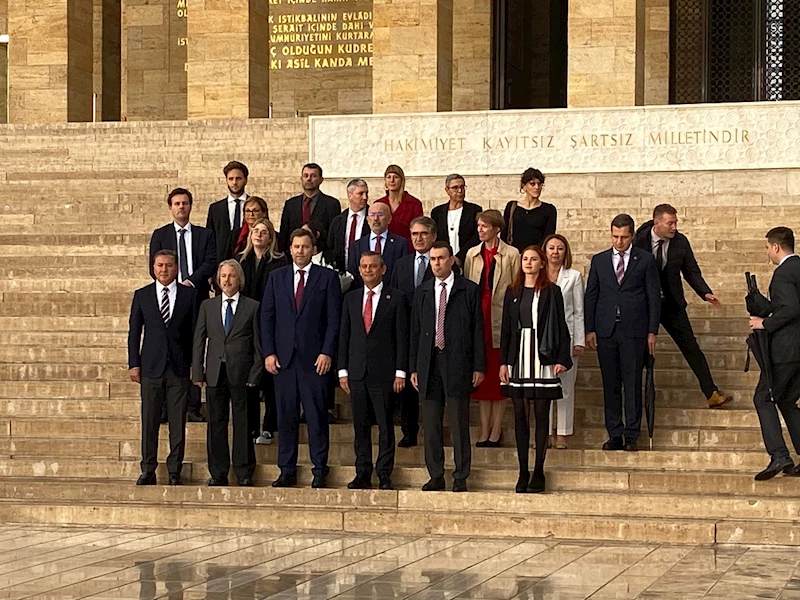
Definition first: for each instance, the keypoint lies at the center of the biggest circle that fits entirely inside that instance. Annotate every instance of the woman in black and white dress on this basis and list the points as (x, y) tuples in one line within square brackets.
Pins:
[(534, 350)]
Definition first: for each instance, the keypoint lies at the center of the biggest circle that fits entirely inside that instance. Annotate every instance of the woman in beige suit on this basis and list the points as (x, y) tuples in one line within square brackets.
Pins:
[(492, 264)]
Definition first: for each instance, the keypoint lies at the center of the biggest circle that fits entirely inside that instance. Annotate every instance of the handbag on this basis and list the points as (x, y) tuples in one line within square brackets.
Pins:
[(551, 334)]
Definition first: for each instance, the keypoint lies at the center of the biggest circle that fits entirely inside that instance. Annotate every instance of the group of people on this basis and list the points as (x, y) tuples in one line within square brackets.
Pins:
[(400, 310)]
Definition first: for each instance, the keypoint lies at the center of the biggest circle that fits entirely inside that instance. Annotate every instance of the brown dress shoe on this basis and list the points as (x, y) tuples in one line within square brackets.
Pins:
[(718, 399)]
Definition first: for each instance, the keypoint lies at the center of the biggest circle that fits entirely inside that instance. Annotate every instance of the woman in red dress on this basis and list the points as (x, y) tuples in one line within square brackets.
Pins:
[(492, 264), (405, 208)]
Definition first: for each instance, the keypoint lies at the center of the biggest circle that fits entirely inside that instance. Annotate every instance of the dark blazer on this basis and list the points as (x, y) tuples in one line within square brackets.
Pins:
[(680, 259), (638, 298), (241, 347), (467, 227), (325, 211), (334, 253), (309, 332), (204, 254), (463, 334), (394, 249), (403, 275), (378, 354), (255, 277), (162, 345), (784, 322), (509, 331), (219, 222)]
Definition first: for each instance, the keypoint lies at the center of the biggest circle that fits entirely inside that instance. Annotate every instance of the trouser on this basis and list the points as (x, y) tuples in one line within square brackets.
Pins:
[(565, 407), (677, 325), (222, 401), (786, 391), (377, 396), (254, 421), (433, 405), (171, 391), (408, 401), (522, 431), (621, 361)]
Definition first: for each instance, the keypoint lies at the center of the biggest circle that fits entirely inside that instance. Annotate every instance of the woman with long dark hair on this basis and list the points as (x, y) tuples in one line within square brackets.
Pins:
[(534, 351)]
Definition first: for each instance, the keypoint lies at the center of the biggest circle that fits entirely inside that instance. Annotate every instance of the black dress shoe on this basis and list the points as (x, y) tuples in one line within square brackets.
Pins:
[(407, 442), (147, 479), (319, 482), (218, 482), (246, 482), (164, 418), (460, 485), (615, 443), (536, 485), (774, 467), (194, 416), (434, 485), (360, 483), (285, 481), (385, 483), (630, 446), (522, 483), (175, 480), (793, 472)]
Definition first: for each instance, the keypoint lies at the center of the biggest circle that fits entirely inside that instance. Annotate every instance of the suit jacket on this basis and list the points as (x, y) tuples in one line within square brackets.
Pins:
[(403, 275), (337, 239), (377, 355), (394, 248), (467, 227), (204, 254), (783, 324), (219, 221), (255, 277), (637, 298), (325, 211), (309, 332), (463, 334), (241, 347), (571, 283), (680, 259), (162, 345)]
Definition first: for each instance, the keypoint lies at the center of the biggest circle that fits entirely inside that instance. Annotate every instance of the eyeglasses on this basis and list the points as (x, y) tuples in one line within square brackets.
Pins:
[(375, 215), (252, 211), (457, 188)]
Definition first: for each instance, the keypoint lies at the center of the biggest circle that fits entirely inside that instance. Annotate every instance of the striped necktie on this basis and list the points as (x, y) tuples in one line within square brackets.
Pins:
[(165, 306)]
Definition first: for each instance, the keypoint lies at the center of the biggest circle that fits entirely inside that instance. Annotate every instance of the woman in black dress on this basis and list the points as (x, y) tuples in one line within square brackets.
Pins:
[(534, 350), (529, 221)]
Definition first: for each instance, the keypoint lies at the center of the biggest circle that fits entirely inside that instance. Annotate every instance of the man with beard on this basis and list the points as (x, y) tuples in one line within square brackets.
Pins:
[(311, 204), (226, 216)]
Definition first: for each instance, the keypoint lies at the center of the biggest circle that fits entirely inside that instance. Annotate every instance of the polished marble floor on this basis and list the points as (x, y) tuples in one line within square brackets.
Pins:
[(57, 563)]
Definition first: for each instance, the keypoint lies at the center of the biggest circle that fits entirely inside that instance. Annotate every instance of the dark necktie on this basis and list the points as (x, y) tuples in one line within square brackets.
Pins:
[(378, 249), (306, 209), (301, 287), (183, 261), (440, 317), (368, 311), (237, 216), (620, 267), (228, 316), (420, 271), (660, 254), (352, 237), (165, 306)]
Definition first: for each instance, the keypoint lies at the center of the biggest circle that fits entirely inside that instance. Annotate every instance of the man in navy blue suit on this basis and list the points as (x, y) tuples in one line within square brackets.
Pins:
[(299, 330), (623, 308), (160, 364), (380, 240)]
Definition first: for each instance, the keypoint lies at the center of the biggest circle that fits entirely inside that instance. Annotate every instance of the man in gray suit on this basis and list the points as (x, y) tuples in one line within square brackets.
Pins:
[(231, 363)]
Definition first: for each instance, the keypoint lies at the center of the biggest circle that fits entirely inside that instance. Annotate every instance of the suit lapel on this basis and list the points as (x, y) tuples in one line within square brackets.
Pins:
[(218, 319), (383, 303), (155, 304), (633, 262), (171, 242), (195, 247)]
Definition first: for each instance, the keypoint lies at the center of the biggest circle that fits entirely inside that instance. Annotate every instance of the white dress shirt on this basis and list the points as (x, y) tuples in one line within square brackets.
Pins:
[(374, 236), (172, 293), (615, 258), (654, 239), (187, 238), (234, 304), (232, 209), (307, 269), (437, 289), (453, 222), (360, 218)]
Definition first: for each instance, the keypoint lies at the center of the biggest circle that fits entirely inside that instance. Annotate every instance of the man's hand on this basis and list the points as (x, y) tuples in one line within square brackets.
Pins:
[(651, 343), (271, 364), (577, 351), (415, 381), (477, 378), (504, 375), (187, 283), (202, 384), (135, 374), (323, 364), (591, 341), (344, 383), (399, 384), (713, 300), (756, 323), (558, 369)]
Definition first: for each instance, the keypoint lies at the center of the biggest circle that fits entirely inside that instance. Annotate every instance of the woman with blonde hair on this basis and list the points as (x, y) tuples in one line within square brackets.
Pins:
[(405, 207)]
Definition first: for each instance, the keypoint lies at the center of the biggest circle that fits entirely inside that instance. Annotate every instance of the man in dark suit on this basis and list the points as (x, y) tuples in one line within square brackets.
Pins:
[(230, 364), (350, 225), (160, 363), (300, 315), (311, 204), (380, 240), (674, 257), (623, 304), (447, 360), (197, 262), (373, 356), (409, 273), (783, 326), (226, 216), (456, 221)]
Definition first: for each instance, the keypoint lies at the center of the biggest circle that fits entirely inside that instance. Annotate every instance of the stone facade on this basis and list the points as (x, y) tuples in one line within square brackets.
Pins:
[(472, 43), (656, 52)]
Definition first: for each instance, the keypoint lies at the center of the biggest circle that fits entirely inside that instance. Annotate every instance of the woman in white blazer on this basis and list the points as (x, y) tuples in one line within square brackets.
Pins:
[(560, 272)]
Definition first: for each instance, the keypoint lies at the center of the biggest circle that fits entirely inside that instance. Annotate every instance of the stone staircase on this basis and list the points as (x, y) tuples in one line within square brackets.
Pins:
[(77, 205)]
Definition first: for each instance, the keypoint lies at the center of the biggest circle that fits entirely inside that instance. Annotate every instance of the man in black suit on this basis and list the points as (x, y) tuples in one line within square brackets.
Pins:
[(456, 221), (623, 304), (674, 257), (783, 326), (409, 272), (226, 216), (373, 356), (165, 311), (311, 204), (447, 360), (348, 226), (229, 364), (380, 240)]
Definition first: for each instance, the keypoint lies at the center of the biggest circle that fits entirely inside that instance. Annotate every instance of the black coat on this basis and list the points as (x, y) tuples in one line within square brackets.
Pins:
[(395, 247), (255, 278), (204, 254), (403, 275), (467, 227), (680, 259), (337, 238), (463, 333), (374, 356), (325, 211), (509, 332), (219, 221), (784, 322)]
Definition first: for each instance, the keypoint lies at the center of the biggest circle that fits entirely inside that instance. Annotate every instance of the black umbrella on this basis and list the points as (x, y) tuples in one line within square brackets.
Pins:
[(758, 341), (650, 395)]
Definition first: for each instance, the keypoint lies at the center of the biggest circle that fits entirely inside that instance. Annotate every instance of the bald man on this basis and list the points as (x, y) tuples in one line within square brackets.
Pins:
[(380, 240)]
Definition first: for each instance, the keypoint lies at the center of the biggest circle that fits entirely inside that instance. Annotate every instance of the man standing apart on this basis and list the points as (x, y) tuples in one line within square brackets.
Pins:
[(623, 304), (311, 204), (226, 216)]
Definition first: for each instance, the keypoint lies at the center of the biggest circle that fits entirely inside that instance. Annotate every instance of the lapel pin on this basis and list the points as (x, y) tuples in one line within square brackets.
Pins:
[(388, 296)]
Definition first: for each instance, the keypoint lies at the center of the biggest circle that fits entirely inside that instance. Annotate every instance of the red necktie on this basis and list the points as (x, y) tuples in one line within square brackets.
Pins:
[(306, 209), (378, 245), (352, 237), (368, 311), (301, 286)]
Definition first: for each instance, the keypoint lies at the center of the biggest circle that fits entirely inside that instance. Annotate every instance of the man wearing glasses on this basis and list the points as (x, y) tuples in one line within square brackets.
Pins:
[(456, 220), (380, 240)]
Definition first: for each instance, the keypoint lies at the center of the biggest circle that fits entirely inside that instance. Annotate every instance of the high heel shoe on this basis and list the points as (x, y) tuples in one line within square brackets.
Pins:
[(522, 483), (483, 444), (561, 442), (491, 444)]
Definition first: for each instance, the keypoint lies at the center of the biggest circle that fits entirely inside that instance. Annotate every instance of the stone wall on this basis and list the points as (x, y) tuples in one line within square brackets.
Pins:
[(472, 45), (656, 53)]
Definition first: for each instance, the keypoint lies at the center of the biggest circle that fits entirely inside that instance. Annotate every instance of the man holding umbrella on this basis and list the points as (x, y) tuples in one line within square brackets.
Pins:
[(783, 327)]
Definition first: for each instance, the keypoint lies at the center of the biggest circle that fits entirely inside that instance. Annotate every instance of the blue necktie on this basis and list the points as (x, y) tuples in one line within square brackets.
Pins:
[(228, 316)]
